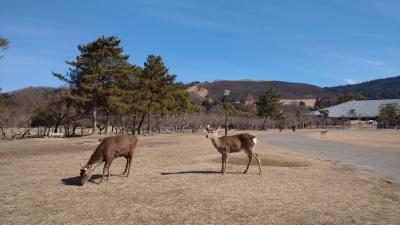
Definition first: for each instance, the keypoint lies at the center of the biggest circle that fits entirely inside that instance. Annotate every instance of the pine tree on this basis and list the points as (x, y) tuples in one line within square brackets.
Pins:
[(96, 76), (389, 115), (350, 96), (324, 115), (269, 106), (156, 87), (180, 107)]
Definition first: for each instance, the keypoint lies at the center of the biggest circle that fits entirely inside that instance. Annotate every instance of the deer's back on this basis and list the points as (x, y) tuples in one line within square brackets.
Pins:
[(238, 142), (117, 145)]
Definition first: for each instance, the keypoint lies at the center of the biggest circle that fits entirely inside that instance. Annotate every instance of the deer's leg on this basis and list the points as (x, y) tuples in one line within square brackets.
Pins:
[(108, 170), (129, 165), (222, 163), (258, 160), (104, 172), (126, 166), (108, 173), (248, 164), (224, 159)]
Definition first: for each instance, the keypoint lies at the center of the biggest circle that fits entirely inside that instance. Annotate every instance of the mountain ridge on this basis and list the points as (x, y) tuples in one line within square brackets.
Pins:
[(384, 88)]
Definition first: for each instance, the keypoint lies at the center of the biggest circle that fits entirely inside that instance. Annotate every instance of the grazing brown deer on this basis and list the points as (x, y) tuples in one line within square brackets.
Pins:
[(234, 143), (109, 149)]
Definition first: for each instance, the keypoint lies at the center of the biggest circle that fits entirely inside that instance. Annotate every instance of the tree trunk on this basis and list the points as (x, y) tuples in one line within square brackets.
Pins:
[(73, 130), (56, 128), (67, 123), (27, 131), (134, 124), (94, 123), (226, 118), (3, 134), (265, 123), (141, 123), (148, 120), (107, 122)]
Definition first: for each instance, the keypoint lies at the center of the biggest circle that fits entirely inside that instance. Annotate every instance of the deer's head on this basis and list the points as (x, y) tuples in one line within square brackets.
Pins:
[(86, 173), (212, 133)]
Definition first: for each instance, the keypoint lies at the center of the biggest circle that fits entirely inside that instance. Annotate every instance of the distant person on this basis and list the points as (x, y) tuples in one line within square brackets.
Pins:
[(294, 128)]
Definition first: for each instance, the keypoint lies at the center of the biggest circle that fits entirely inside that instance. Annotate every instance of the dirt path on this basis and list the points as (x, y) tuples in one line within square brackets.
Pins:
[(176, 181), (380, 161)]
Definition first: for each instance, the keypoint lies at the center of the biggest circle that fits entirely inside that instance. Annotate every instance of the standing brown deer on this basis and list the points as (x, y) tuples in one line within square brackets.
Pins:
[(324, 132), (234, 143), (109, 149)]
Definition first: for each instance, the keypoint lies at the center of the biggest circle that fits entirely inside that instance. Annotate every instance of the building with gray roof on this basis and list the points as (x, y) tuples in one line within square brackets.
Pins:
[(367, 109)]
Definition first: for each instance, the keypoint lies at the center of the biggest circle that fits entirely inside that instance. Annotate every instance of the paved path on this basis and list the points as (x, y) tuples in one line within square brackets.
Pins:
[(384, 162)]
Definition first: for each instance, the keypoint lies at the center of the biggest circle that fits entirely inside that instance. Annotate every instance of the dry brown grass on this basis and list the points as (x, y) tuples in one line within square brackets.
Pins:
[(174, 183), (388, 139)]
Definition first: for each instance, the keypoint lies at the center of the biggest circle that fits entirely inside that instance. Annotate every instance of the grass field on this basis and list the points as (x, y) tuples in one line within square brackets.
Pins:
[(175, 180), (387, 139)]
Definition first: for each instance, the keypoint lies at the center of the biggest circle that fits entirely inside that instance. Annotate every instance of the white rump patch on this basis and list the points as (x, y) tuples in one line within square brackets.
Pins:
[(255, 140)]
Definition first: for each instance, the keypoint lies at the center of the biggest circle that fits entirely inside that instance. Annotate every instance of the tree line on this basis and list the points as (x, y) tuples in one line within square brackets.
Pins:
[(103, 84), (104, 91)]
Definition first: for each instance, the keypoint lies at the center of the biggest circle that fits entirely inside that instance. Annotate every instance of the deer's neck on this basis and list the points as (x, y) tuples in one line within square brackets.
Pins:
[(97, 157), (216, 142)]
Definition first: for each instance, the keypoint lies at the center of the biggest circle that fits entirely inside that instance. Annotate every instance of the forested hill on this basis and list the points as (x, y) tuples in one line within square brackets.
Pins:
[(240, 89), (376, 89)]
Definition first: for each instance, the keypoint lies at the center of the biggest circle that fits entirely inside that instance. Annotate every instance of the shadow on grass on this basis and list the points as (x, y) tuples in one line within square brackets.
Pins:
[(264, 162), (76, 181), (191, 172)]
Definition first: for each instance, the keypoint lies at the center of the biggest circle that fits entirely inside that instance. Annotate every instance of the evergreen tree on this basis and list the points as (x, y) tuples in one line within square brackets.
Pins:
[(269, 106), (96, 76), (208, 103), (181, 103), (324, 115), (389, 115), (156, 86), (350, 96), (131, 104), (181, 107)]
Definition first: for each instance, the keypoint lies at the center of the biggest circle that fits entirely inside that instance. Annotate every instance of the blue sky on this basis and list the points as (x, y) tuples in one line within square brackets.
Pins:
[(325, 43)]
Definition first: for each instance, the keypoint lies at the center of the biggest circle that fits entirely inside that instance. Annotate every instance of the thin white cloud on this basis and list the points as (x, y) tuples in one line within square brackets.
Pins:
[(196, 15), (371, 62), (349, 81), (354, 59), (367, 35)]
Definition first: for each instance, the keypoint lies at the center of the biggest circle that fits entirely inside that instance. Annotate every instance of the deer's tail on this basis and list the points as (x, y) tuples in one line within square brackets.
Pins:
[(248, 140), (254, 140)]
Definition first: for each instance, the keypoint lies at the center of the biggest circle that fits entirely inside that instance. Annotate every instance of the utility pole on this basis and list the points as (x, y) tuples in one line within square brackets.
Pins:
[(226, 94)]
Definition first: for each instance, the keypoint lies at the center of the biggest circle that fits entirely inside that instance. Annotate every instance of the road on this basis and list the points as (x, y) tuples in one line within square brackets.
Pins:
[(383, 162)]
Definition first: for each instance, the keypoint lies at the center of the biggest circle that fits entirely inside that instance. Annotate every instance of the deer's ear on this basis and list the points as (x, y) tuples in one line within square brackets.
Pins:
[(82, 166)]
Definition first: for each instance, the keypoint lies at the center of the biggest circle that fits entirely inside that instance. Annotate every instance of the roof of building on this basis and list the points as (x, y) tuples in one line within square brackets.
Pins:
[(362, 108)]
